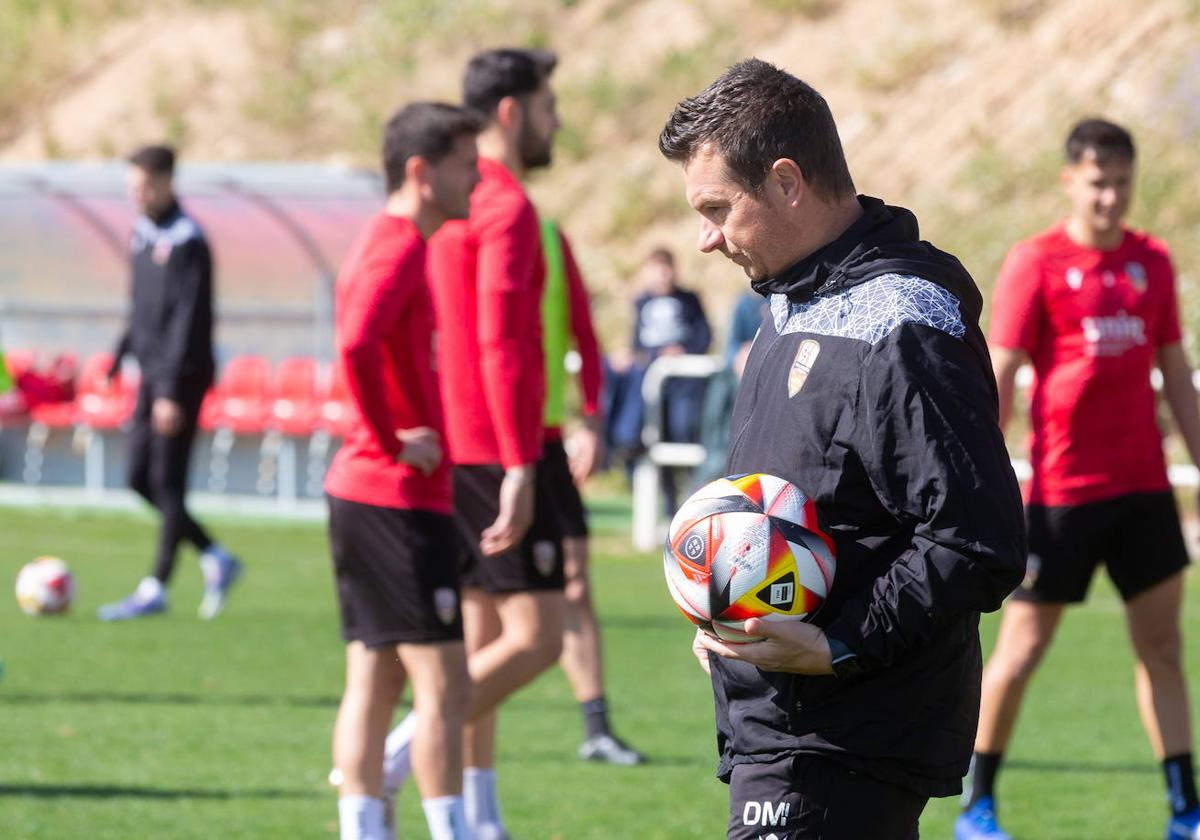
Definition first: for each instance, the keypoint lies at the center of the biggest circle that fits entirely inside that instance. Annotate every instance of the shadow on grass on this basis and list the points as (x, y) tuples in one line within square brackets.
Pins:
[(167, 699), (1081, 767), (60, 791)]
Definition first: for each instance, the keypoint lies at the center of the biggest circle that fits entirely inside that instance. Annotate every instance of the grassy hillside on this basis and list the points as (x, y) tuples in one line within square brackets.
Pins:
[(955, 108)]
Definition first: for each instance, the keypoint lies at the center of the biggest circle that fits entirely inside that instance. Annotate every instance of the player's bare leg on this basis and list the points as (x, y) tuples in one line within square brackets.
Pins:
[(582, 658), (374, 681), (519, 637), (1026, 631), (481, 627), (441, 689), (530, 641), (1153, 619)]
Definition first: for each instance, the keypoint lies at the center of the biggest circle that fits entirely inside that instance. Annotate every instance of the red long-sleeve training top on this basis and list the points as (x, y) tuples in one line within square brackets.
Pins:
[(487, 274), (385, 337)]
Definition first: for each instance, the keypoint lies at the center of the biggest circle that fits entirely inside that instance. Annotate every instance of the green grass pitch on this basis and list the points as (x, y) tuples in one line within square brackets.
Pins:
[(173, 728)]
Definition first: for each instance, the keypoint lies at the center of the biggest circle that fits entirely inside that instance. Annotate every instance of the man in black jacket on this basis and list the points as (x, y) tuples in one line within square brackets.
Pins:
[(170, 334), (868, 387)]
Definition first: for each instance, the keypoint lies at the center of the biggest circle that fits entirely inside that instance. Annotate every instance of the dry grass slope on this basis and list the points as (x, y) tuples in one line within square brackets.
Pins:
[(955, 109)]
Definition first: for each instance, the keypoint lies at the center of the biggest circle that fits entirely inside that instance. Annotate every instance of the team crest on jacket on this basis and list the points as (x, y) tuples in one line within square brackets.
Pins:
[(802, 365), (161, 252), (544, 556), (445, 603)]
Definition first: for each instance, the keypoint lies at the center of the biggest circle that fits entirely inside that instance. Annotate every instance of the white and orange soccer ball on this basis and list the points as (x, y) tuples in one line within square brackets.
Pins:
[(747, 546), (45, 586)]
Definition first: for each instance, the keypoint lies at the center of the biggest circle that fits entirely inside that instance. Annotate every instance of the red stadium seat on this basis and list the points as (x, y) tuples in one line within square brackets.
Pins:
[(295, 408), (20, 361), (104, 404), (240, 404), (334, 419), (337, 410), (241, 401), (52, 406)]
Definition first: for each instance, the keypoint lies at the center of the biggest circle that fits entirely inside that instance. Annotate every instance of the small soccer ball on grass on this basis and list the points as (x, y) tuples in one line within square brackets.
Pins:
[(45, 586), (744, 547)]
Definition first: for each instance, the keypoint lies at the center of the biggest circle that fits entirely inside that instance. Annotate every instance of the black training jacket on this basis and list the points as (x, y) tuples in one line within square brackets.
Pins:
[(170, 317), (869, 386)]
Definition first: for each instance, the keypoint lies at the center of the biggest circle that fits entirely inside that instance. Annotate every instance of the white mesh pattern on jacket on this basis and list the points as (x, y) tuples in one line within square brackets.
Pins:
[(869, 312)]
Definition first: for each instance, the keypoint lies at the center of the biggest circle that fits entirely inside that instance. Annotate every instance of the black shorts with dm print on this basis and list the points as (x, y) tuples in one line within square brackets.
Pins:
[(536, 564), (396, 574), (555, 470), (1137, 537), (808, 797)]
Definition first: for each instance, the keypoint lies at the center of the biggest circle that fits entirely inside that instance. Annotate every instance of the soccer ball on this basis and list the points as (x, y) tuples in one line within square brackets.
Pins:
[(743, 547), (45, 586)]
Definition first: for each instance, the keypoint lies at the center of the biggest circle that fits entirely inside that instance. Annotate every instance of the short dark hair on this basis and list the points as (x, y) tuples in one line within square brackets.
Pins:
[(427, 129), (1106, 139), (662, 255), (495, 74), (754, 114), (155, 159)]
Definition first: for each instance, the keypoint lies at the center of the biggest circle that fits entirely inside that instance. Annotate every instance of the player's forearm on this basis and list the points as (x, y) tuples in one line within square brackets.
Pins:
[(1181, 397), (1006, 363)]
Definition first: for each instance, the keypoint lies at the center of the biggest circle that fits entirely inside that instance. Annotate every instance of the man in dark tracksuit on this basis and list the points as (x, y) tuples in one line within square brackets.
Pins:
[(170, 335), (869, 387)]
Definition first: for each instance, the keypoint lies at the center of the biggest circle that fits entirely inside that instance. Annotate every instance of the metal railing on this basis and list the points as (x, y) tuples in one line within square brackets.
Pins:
[(660, 454), (649, 524)]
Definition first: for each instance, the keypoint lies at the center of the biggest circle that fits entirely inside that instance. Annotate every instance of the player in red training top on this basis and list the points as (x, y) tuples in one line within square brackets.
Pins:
[(567, 320), (389, 487), (487, 276), (1091, 304)]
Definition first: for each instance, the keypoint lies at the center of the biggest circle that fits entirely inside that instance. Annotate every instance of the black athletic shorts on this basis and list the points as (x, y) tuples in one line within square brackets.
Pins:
[(1137, 537), (396, 574), (555, 471), (536, 564), (808, 797)]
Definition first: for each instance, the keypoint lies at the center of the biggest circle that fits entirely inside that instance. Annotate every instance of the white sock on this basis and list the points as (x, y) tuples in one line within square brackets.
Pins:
[(149, 589), (446, 818), (397, 753), (361, 818), (479, 797)]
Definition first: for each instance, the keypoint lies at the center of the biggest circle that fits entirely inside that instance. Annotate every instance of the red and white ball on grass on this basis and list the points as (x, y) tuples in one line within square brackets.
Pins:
[(45, 586), (745, 547)]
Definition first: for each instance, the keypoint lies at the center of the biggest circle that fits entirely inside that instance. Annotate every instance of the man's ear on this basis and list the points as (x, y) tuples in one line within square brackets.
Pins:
[(416, 170), (786, 179), (508, 112)]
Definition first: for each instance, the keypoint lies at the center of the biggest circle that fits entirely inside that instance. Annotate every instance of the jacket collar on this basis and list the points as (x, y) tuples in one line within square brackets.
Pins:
[(828, 266)]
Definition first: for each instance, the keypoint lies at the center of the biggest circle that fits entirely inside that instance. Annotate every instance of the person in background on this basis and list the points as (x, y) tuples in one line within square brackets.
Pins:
[(391, 527), (170, 333), (719, 396), (1092, 305), (567, 320), (668, 320), (487, 275)]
